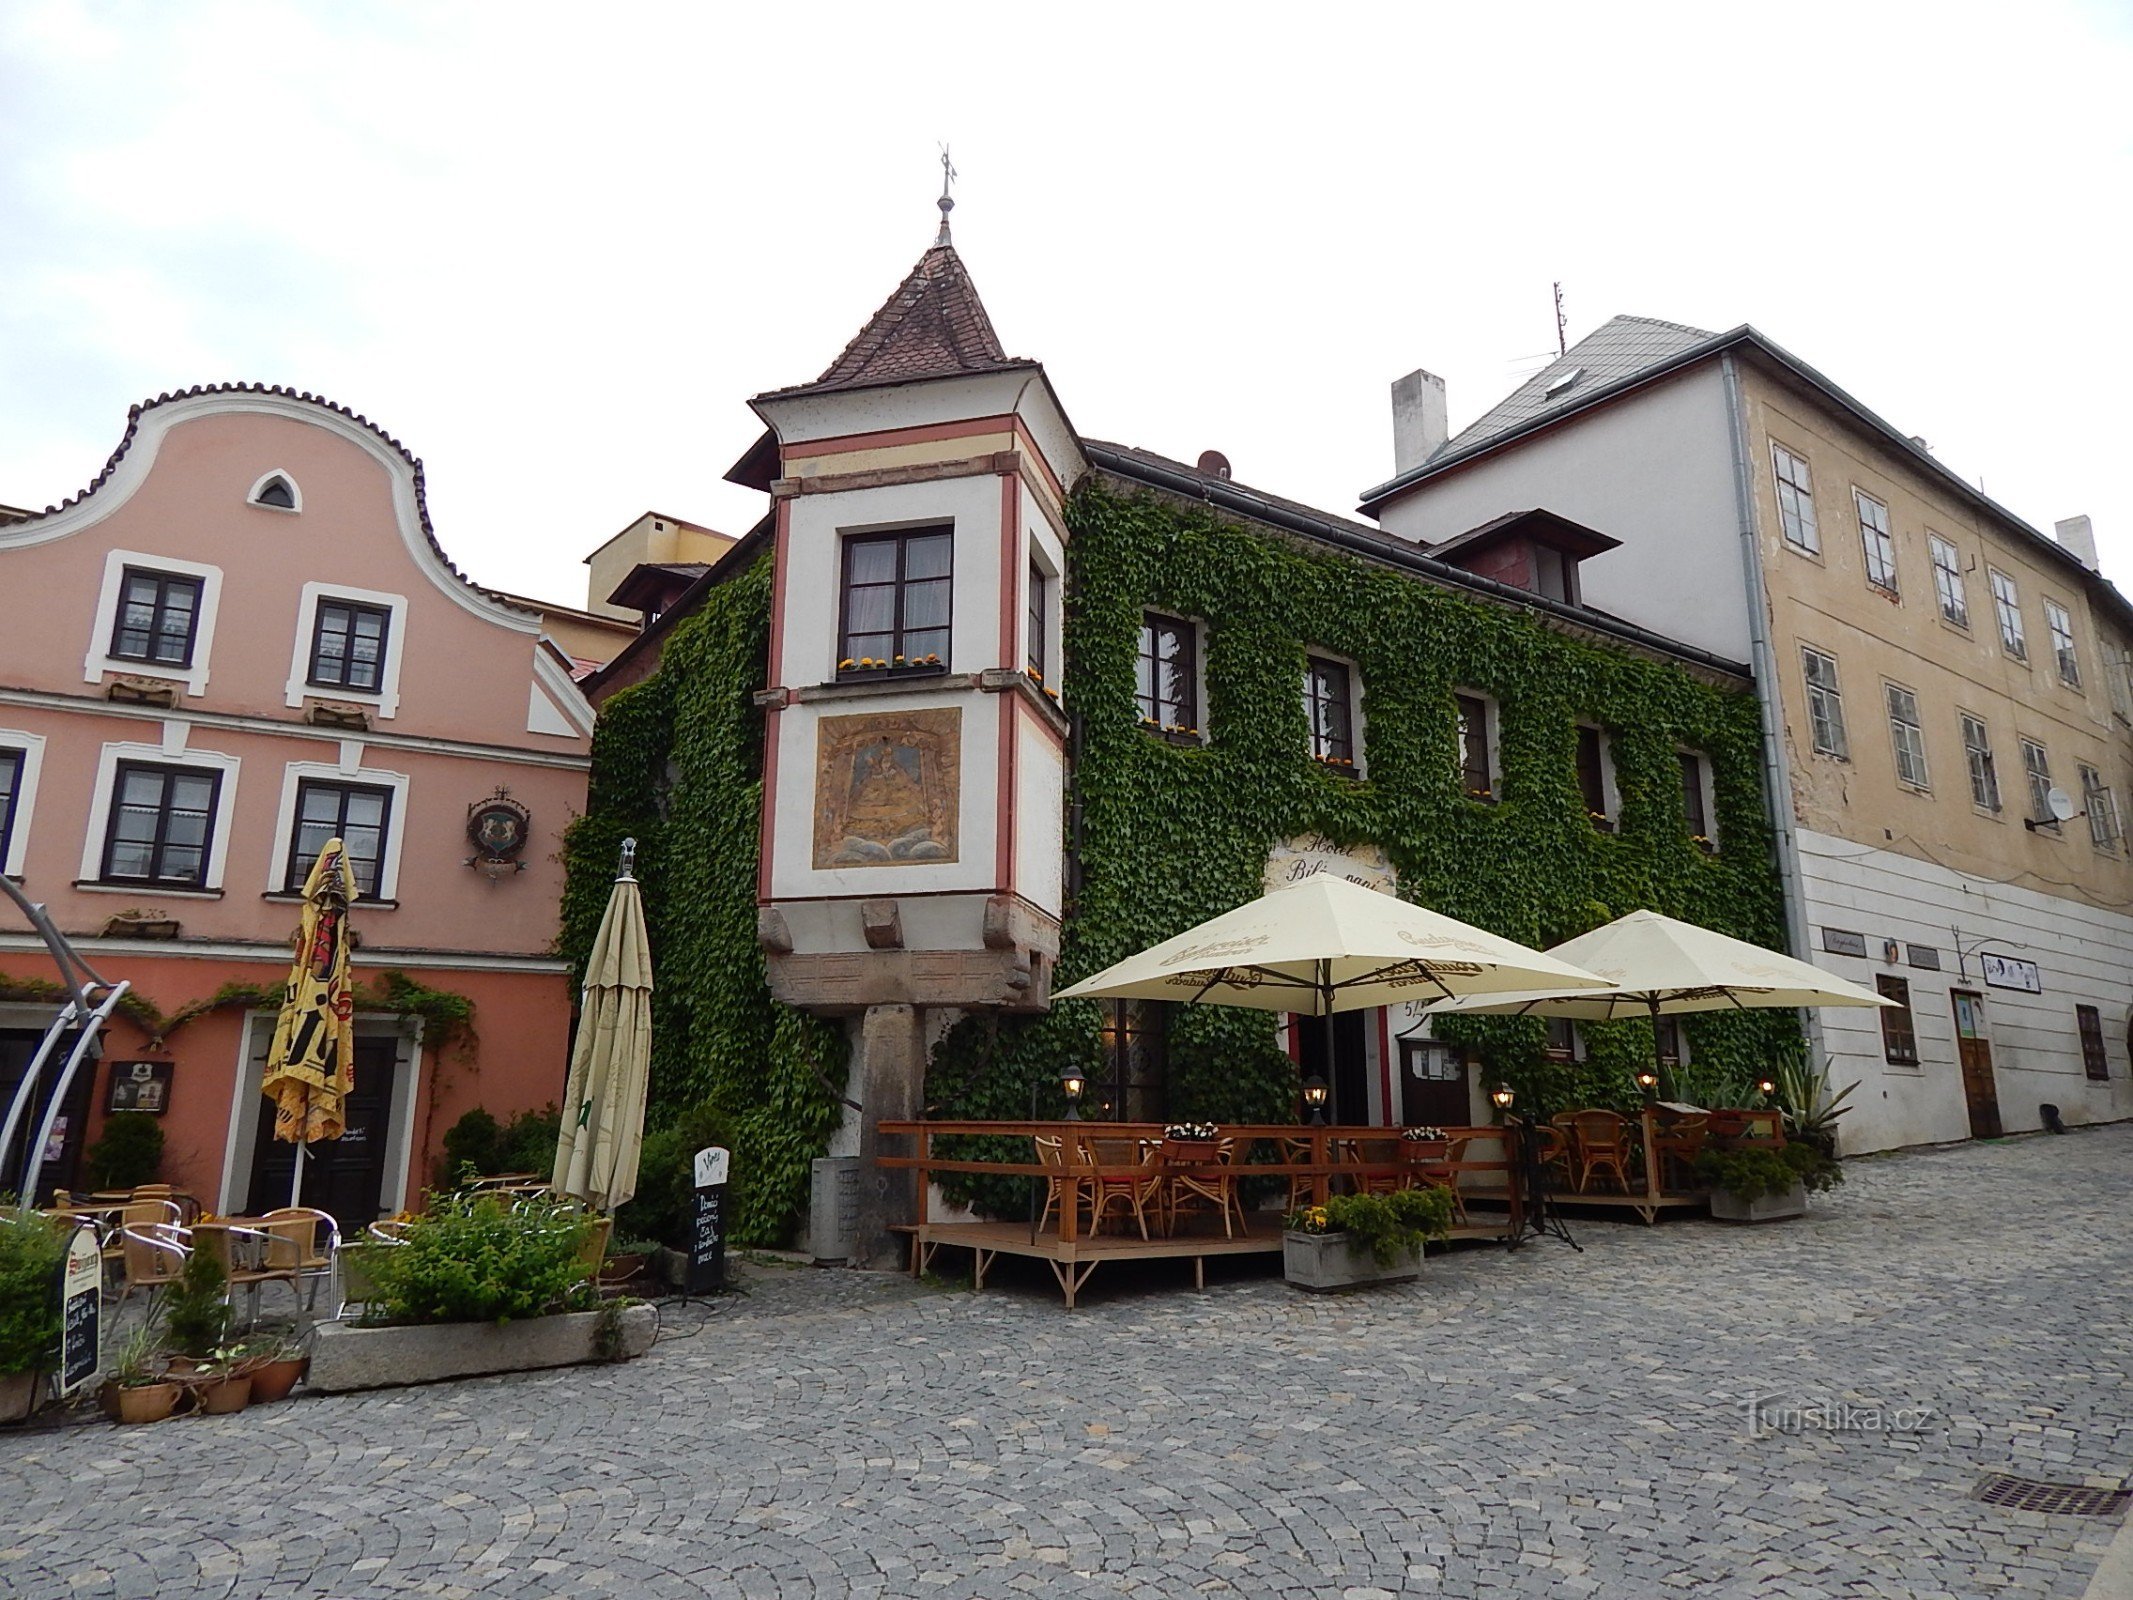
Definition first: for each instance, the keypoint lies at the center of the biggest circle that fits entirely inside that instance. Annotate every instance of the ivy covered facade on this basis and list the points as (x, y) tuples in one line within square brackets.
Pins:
[(1187, 680)]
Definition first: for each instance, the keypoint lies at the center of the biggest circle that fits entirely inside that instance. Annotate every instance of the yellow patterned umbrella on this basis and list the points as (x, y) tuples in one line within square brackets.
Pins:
[(311, 1065)]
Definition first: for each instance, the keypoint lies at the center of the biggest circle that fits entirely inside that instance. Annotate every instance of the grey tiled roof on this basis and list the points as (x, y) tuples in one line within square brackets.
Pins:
[(1615, 350)]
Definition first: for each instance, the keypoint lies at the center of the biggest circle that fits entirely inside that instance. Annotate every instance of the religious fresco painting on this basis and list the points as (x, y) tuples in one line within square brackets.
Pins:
[(886, 788)]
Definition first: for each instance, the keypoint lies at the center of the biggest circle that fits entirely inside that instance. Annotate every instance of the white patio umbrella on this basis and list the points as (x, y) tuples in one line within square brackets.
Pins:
[(611, 1063), (1657, 966), (1324, 945)]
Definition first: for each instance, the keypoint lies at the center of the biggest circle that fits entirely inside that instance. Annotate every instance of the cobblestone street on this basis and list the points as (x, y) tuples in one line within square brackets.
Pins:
[(1544, 1423)]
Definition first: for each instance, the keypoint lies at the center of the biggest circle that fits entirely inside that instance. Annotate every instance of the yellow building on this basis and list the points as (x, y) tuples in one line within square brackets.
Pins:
[(1946, 696)]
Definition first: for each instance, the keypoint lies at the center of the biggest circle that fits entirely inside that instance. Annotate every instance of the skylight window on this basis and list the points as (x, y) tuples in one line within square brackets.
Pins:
[(1562, 382)]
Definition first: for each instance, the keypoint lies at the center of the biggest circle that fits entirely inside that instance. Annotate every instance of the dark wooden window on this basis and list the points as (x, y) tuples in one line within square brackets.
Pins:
[(1328, 711), (897, 590), (1667, 1036), (1693, 800), (1037, 612), (1592, 777), (1562, 1039), (1899, 1038), (11, 765), (162, 819), (1477, 772), (158, 618), (2090, 1021), (276, 492), (357, 814), (1129, 1087), (1169, 685), (348, 644)]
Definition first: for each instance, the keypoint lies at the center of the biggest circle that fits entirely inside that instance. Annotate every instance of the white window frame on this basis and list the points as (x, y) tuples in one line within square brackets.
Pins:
[(386, 697), (2007, 612), (1797, 516), (1948, 586), (2037, 775), (1491, 728), (1834, 690), (296, 492), (1610, 791), (172, 752), (2102, 806), (100, 660), (1985, 772), (1355, 706), (1907, 735), (1878, 540), (1707, 787), (2066, 654), (31, 748), (346, 771)]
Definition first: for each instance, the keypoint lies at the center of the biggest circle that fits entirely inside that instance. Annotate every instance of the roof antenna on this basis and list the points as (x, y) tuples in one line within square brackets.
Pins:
[(946, 201), (1562, 327)]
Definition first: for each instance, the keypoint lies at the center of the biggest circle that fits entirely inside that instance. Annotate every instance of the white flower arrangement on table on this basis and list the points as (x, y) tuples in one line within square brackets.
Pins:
[(1197, 1132), (1424, 1135)]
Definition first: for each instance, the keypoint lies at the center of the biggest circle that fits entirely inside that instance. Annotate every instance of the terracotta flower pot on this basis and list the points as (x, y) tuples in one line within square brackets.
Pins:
[(272, 1380), (620, 1269), (221, 1396), (147, 1402)]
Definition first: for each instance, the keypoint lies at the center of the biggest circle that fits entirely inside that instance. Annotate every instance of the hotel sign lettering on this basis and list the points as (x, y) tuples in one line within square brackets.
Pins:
[(2011, 972), (1307, 855)]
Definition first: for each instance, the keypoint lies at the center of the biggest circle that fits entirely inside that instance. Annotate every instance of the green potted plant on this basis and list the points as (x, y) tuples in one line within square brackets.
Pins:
[(222, 1384), (196, 1309), (625, 1258), (1356, 1239), (32, 1255), (146, 1392), (128, 1152), (1765, 1182)]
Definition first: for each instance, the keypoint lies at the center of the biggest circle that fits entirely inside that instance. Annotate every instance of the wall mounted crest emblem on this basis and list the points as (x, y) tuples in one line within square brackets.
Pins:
[(499, 829)]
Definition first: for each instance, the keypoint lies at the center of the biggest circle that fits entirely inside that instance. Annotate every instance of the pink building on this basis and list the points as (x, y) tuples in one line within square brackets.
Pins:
[(241, 639)]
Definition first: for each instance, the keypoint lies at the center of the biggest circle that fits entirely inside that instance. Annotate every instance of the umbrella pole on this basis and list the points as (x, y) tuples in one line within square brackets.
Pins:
[(296, 1183)]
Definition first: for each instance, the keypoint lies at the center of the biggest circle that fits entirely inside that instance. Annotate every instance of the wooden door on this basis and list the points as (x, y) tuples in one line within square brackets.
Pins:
[(1335, 1048), (344, 1176), (1975, 1052), (62, 1165), (1432, 1085)]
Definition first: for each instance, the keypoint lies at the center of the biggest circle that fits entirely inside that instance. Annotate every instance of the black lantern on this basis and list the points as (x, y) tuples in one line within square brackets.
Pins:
[(1648, 1081), (1071, 1083), (1314, 1093), (1501, 1097), (1768, 1086)]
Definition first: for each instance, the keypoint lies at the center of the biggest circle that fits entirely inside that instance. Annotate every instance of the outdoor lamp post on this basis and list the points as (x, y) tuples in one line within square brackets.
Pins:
[(1314, 1092), (1767, 1086), (1501, 1097), (1648, 1081), (1071, 1083)]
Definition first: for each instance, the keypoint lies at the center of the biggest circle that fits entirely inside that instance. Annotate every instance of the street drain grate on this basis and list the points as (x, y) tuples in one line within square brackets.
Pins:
[(2053, 1499)]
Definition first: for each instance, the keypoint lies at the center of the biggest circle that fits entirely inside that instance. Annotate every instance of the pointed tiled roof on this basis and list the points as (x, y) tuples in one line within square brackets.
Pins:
[(933, 326)]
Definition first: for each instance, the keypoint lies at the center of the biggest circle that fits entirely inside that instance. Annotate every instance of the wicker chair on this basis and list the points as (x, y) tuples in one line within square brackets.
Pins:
[(1131, 1192), (1303, 1186), (155, 1249), (1195, 1187), (1377, 1153), (1601, 1140), (308, 1241), (1051, 1152)]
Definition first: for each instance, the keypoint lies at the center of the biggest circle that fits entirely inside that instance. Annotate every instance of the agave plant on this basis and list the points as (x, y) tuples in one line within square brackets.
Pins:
[(1811, 1107)]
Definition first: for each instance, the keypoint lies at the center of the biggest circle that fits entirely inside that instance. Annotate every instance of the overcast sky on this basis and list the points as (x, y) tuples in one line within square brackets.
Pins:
[(555, 248)]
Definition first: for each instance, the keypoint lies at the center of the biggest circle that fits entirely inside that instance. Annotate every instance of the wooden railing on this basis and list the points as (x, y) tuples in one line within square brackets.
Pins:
[(1076, 1170)]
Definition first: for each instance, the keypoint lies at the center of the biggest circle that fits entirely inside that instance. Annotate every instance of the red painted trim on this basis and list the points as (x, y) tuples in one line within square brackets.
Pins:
[(1004, 801), (1012, 567), (770, 717), (894, 436), (1385, 1073), (1044, 467)]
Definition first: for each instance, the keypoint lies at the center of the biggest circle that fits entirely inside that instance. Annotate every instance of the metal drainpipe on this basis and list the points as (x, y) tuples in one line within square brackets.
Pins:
[(1777, 777)]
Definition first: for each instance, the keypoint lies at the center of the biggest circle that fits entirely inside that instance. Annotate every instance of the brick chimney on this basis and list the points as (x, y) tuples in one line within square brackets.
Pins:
[(2077, 535), (1420, 422)]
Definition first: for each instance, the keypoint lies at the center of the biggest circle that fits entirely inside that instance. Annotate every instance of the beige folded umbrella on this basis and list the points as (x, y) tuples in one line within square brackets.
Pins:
[(1654, 966), (1325, 945), (611, 1063)]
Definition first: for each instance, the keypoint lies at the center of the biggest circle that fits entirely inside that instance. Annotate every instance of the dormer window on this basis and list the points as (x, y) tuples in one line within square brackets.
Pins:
[(1536, 551), (277, 492)]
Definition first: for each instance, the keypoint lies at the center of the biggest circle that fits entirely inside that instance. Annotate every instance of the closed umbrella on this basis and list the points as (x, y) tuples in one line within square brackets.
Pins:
[(1323, 945), (311, 1063), (611, 1063)]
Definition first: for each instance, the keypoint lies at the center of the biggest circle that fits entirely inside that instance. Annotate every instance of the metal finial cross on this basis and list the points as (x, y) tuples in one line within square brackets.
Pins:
[(946, 201)]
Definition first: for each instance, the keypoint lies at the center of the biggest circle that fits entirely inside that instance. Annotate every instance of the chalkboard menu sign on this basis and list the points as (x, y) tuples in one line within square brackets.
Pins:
[(707, 1233), (79, 1298)]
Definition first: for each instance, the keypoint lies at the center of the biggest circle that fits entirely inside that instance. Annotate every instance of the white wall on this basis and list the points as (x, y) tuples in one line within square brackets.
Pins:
[(2081, 952), (1655, 471)]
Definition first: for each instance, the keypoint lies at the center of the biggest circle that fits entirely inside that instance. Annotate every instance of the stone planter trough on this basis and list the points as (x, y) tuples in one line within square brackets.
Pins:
[(1325, 1261), (1729, 1207), (347, 1357)]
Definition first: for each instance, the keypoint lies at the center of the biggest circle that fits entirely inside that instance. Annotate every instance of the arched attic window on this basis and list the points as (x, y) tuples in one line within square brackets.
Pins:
[(278, 492)]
